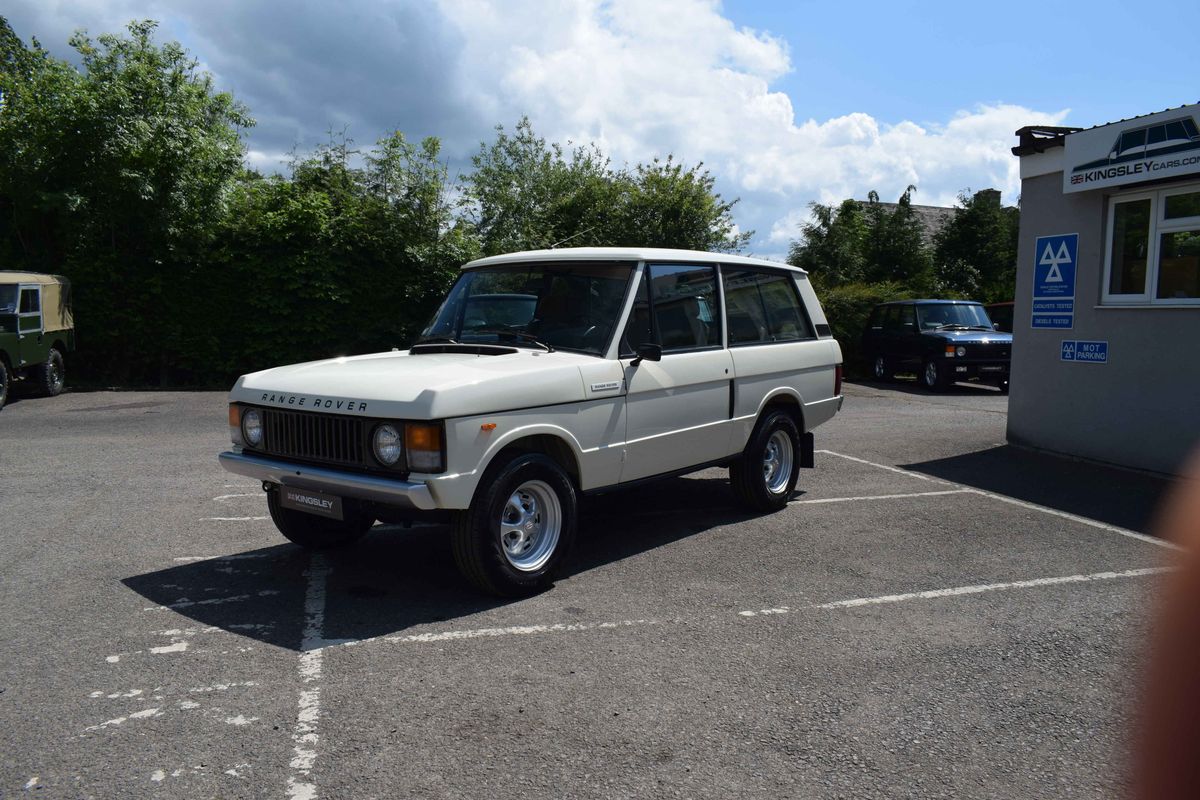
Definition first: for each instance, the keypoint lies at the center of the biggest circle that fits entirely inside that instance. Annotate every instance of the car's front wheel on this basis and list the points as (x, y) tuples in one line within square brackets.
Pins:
[(3, 384), (516, 535), (318, 533), (765, 475), (934, 376)]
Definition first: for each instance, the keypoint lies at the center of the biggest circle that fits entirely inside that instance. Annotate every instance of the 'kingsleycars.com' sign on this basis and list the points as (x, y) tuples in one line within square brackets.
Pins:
[(1155, 146)]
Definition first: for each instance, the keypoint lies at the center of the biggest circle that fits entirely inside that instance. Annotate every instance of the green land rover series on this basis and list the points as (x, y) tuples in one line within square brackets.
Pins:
[(36, 331)]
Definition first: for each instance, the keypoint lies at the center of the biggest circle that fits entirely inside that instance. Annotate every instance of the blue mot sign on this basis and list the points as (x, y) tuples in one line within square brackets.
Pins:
[(1087, 352), (1055, 258)]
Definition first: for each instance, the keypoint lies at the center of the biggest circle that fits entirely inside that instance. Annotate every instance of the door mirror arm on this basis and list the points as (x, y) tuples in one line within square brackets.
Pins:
[(647, 351)]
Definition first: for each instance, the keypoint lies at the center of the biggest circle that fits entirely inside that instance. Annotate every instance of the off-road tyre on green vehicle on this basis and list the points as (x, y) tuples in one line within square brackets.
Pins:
[(765, 474), (4, 383), (519, 530), (318, 533), (50, 376)]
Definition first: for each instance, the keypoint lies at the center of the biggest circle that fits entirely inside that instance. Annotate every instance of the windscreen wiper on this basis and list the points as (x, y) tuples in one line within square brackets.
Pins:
[(527, 337)]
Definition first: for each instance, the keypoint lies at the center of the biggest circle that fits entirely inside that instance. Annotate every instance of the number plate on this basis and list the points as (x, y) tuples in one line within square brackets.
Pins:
[(318, 503)]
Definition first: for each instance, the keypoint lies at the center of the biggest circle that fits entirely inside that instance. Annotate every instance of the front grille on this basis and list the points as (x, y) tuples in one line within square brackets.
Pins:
[(314, 437), (990, 350)]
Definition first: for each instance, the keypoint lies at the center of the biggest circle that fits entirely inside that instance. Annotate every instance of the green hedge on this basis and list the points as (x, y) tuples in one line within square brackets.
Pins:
[(847, 308)]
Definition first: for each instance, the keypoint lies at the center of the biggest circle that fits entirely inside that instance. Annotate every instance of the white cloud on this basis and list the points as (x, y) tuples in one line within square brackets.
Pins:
[(640, 79), (647, 79)]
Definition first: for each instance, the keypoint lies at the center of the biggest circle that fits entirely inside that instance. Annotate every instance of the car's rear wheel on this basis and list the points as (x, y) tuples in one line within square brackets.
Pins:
[(318, 533), (3, 384), (516, 535), (764, 476), (934, 376), (882, 369)]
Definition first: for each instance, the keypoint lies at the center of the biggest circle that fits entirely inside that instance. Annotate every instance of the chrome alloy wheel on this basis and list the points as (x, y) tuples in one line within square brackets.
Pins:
[(530, 526), (931, 373), (777, 462), (879, 367)]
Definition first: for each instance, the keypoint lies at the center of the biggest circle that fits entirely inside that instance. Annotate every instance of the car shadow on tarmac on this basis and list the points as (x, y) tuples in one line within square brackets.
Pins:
[(1114, 496), (397, 578)]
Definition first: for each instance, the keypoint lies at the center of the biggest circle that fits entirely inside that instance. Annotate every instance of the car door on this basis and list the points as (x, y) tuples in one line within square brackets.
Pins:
[(677, 409), (29, 325), (905, 338)]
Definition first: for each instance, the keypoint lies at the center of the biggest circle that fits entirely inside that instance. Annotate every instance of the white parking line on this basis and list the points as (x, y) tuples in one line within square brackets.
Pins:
[(993, 587), (905, 472), (515, 630), (232, 519), (305, 737), (880, 497), (1021, 503), (957, 591)]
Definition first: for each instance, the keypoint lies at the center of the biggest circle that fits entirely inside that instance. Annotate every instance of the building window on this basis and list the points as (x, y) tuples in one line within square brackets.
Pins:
[(1153, 253)]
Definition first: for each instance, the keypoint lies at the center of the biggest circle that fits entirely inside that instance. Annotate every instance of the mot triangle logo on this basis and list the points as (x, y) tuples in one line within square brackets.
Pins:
[(1068, 351), (1053, 260)]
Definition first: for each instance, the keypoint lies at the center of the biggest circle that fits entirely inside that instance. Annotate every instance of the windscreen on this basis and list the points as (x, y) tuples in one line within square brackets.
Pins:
[(562, 306), (952, 315)]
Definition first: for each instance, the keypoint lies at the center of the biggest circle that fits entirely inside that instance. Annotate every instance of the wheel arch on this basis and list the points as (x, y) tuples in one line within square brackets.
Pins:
[(787, 400), (556, 444)]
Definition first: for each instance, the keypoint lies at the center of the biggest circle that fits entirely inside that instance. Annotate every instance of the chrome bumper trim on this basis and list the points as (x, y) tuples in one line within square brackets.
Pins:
[(346, 484)]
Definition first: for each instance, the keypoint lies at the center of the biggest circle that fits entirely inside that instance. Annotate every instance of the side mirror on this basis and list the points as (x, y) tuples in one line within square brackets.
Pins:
[(647, 351), (995, 326)]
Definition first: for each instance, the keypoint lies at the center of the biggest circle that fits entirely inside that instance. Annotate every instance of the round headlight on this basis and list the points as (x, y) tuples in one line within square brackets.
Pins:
[(252, 428), (962, 351), (387, 444)]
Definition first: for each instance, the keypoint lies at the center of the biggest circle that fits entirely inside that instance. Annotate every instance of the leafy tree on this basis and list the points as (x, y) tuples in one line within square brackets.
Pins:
[(867, 242), (113, 174), (526, 194), (832, 245), (976, 252)]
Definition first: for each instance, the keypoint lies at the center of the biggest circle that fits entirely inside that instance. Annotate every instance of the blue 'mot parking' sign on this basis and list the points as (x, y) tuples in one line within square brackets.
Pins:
[(1054, 262), (1087, 352)]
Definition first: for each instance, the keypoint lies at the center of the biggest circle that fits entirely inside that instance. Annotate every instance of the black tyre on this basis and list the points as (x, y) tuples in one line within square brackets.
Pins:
[(51, 374), (934, 376), (881, 369), (765, 475), (4, 381), (516, 535), (318, 533)]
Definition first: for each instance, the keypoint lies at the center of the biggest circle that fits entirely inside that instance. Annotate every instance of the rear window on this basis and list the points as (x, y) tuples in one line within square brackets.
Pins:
[(763, 306)]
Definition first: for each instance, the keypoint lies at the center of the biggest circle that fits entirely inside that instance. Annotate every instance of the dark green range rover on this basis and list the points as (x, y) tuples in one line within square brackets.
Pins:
[(36, 330)]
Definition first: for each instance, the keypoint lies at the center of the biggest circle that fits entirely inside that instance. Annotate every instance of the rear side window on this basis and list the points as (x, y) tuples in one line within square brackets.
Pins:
[(763, 306), (29, 301)]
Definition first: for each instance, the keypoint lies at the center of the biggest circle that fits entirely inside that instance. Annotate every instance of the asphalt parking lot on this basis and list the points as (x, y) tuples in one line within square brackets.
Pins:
[(935, 615)]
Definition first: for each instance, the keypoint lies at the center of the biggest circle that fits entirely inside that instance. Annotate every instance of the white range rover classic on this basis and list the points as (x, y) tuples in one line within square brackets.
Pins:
[(543, 376)]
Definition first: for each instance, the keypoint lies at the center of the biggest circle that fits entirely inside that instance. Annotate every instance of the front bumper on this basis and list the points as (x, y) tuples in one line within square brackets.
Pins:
[(984, 370), (400, 494)]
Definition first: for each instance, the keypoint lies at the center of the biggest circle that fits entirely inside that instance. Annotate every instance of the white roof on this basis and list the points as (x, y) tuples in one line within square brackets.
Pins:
[(626, 254)]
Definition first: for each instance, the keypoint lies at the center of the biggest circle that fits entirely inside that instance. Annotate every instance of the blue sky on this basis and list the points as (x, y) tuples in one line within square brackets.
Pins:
[(787, 103), (924, 60)]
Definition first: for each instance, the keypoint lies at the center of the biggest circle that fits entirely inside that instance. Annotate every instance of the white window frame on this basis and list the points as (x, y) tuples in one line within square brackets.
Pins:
[(1158, 226)]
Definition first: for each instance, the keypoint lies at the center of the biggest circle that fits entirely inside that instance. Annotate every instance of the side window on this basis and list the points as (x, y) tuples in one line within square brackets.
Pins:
[(764, 306), (786, 320), (685, 306), (744, 312), (908, 319), (891, 319), (875, 323), (29, 301)]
